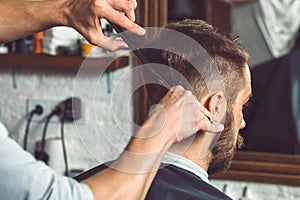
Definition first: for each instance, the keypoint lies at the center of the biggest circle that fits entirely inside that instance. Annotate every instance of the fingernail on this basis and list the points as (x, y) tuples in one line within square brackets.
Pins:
[(141, 31), (219, 126), (124, 45)]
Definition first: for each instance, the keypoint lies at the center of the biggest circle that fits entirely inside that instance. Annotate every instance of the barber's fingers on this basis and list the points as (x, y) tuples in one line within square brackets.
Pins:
[(206, 125), (205, 122), (130, 14), (177, 89), (126, 6), (181, 94), (120, 19), (204, 116), (110, 44), (134, 2), (96, 37), (204, 110)]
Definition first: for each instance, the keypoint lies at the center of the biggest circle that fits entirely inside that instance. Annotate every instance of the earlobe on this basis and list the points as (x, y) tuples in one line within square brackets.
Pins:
[(217, 106)]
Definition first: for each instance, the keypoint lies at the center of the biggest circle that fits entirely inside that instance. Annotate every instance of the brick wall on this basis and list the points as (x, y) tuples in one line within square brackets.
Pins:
[(97, 139)]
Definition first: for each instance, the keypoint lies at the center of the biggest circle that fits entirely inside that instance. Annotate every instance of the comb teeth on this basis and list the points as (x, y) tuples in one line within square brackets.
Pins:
[(145, 55), (132, 40)]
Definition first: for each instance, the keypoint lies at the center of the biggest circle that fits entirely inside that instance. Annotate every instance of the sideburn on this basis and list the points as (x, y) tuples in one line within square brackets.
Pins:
[(223, 152)]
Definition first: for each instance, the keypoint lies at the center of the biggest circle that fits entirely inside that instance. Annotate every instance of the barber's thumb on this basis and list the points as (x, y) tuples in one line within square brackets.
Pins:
[(215, 127)]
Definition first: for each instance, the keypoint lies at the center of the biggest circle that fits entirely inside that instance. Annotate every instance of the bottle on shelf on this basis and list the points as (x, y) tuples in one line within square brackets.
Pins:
[(38, 42), (3, 49)]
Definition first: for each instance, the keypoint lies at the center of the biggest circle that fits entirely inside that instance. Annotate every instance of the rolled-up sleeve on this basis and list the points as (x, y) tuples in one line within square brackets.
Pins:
[(22, 177)]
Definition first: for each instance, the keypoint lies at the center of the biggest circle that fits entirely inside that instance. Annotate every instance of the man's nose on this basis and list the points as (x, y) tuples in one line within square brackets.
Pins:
[(243, 125)]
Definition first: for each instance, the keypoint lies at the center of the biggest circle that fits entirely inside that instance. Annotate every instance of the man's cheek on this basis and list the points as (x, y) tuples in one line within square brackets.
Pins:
[(239, 142)]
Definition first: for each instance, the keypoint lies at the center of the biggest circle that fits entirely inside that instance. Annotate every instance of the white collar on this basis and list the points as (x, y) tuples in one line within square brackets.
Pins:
[(184, 163), (3, 130)]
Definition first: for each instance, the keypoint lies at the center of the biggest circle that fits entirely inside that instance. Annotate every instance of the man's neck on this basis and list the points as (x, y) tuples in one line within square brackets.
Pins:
[(190, 149)]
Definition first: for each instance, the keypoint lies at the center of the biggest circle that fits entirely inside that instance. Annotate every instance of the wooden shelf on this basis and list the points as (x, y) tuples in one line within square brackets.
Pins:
[(264, 167), (64, 62)]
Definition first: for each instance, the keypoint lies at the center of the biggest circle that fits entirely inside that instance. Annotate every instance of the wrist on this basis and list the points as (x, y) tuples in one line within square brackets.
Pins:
[(147, 152), (58, 12), (155, 129), (63, 8), (148, 140)]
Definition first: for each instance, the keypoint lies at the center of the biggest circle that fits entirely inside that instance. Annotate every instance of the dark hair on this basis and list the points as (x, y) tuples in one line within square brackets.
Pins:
[(228, 56)]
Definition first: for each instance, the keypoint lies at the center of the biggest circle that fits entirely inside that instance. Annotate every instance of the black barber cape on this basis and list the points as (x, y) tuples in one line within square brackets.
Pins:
[(173, 183)]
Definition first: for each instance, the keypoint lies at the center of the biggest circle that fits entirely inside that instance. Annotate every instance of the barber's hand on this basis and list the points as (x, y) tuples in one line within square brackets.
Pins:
[(85, 18), (180, 114)]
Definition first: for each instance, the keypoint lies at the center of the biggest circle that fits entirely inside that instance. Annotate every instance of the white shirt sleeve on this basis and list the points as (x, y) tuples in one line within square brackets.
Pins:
[(22, 177)]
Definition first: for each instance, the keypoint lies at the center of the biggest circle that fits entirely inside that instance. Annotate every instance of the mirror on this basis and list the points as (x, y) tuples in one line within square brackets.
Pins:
[(272, 115), (272, 137)]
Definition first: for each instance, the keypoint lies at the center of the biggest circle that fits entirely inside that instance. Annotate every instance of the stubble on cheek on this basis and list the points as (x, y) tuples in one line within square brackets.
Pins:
[(239, 142)]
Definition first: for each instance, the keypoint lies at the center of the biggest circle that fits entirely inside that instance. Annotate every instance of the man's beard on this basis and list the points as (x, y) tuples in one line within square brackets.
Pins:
[(223, 152)]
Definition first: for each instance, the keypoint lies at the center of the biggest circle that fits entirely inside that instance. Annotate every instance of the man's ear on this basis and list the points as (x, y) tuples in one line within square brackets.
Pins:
[(217, 106)]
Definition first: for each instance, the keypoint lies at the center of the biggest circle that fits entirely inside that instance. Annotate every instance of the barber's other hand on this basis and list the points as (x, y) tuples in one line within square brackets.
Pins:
[(84, 16), (180, 115)]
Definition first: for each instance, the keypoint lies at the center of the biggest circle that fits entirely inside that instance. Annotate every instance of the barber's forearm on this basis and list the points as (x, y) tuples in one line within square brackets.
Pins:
[(151, 151), (20, 18), (114, 185)]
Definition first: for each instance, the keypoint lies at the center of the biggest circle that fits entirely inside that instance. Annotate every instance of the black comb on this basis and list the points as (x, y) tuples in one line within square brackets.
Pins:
[(146, 55)]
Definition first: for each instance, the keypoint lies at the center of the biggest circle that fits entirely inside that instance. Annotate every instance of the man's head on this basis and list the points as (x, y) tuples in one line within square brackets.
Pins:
[(224, 101)]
